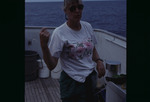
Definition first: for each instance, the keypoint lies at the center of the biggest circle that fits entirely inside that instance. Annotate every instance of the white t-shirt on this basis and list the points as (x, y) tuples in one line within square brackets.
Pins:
[(75, 50)]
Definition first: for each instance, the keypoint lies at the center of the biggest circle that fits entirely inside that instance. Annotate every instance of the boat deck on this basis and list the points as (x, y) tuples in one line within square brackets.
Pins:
[(42, 90)]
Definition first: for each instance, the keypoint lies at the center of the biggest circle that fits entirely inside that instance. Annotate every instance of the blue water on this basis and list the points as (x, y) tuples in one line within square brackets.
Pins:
[(107, 15)]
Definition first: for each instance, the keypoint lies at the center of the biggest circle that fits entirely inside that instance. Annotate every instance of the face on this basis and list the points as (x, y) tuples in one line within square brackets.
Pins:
[(74, 11)]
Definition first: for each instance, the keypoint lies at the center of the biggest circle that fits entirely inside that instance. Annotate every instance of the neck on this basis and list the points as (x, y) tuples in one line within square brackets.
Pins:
[(74, 25)]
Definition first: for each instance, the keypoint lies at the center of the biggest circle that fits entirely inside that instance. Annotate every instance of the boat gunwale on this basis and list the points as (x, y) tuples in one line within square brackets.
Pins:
[(96, 30)]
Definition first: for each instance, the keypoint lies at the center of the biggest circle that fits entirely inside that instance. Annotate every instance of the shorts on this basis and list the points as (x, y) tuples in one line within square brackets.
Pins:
[(74, 91)]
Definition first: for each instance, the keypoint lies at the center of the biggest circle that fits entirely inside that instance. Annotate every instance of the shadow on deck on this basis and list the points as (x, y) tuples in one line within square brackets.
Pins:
[(42, 90)]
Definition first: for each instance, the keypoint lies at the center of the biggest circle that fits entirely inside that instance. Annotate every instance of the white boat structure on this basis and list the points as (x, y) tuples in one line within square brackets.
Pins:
[(110, 46)]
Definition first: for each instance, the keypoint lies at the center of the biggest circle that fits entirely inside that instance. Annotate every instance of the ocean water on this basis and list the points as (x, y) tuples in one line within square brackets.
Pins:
[(107, 15)]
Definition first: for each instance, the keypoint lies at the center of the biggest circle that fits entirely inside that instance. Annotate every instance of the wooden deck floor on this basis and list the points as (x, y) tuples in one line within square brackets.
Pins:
[(42, 90)]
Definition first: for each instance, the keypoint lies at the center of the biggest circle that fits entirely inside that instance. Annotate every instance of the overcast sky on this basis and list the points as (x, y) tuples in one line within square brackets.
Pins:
[(62, 0)]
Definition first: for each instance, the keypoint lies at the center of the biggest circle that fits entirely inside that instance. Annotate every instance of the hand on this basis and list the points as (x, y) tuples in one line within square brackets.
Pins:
[(44, 37), (100, 69)]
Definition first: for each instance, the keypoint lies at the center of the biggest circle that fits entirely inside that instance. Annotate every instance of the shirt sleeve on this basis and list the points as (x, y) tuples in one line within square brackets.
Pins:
[(94, 40), (56, 44)]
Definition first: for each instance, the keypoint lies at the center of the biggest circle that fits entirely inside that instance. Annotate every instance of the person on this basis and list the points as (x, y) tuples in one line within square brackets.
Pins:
[(74, 44)]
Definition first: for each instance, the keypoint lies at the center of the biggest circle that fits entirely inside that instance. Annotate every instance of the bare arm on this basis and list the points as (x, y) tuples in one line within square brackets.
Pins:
[(100, 65), (50, 61)]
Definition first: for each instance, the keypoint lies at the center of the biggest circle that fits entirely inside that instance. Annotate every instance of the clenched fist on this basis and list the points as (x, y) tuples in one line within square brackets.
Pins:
[(44, 37)]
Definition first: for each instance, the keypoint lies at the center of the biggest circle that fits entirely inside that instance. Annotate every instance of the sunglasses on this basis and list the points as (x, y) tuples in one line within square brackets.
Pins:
[(73, 8)]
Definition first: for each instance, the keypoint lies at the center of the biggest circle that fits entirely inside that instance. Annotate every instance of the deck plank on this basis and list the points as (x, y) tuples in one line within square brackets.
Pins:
[(42, 90), (41, 93), (48, 92), (52, 91)]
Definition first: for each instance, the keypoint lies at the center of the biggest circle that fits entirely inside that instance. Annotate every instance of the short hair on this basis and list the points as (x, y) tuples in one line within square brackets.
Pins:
[(66, 2)]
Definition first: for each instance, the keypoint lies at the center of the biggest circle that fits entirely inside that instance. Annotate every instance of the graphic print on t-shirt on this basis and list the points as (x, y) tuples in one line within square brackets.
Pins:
[(79, 50)]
